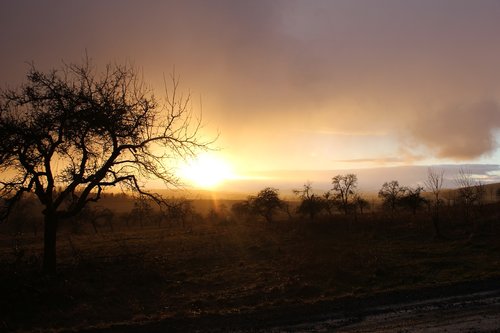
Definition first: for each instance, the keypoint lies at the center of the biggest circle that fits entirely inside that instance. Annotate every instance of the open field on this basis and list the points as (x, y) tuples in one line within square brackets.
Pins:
[(235, 268)]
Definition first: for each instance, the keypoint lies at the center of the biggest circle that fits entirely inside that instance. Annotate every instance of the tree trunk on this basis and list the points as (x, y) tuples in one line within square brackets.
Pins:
[(437, 229), (49, 243)]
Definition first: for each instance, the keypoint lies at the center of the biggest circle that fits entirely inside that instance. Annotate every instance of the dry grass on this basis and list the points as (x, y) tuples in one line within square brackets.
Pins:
[(135, 275)]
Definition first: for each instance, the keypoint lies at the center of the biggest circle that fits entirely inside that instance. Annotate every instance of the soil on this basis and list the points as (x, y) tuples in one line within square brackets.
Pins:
[(464, 307), (372, 274)]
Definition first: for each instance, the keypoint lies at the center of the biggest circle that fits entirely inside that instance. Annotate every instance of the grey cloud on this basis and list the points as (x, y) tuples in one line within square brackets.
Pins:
[(382, 160), (459, 132), (291, 62)]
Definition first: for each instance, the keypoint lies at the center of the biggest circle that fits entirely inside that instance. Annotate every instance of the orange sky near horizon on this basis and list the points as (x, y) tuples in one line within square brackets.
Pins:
[(297, 85)]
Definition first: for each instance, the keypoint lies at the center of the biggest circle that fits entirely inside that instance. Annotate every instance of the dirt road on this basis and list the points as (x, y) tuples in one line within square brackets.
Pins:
[(461, 307), (477, 312)]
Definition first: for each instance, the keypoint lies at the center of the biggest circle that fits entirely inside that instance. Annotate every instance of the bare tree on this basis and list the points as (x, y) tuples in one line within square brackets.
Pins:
[(311, 203), (391, 194), (178, 210), (344, 189), (69, 134), (142, 211), (329, 202), (470, 193), (412, 199), (434, 185), (241, 209), (361, 203), (266, 202), (93, 215)]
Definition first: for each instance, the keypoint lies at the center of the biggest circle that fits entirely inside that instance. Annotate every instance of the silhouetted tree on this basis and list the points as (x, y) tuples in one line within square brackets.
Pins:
[(434, 184), (178, 210), (266, 203), (361, 203), (26, 216), (470, 193), (80, 131), (329, 202), (142, 211), (218, 213), (344, 190), (391, 193), (311, 204), (241, 209), (412, 199), (93, 215)]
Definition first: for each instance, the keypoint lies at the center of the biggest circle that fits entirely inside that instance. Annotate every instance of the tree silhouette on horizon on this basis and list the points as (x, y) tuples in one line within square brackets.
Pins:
[(70, 133)]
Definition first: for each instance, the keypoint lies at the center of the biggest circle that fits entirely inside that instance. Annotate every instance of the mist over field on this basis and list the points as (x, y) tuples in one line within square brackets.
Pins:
[(370, 179)]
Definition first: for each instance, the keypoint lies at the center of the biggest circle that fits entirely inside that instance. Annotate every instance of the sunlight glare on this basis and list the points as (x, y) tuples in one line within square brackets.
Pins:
[(207, 171)]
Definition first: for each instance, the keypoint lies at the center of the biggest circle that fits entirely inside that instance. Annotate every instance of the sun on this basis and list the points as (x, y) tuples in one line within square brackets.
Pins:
[(207, 170)]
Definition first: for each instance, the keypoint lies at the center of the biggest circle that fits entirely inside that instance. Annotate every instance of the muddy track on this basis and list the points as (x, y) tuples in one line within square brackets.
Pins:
[(463, 307), (476, 312)]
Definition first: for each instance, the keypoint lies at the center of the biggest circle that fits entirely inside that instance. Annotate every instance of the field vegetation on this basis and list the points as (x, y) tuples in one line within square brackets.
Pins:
[(124, 262), (75, 257)]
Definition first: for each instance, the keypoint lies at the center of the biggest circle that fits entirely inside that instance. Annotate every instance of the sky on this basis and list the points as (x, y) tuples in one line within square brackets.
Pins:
[(298, 86)]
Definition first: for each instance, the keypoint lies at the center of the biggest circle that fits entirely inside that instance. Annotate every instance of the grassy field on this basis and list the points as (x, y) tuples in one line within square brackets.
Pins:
[(228, 266)]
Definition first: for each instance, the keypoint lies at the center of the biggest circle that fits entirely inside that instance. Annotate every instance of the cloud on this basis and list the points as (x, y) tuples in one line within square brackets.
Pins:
[(459, 132), (377, 161), (267, 68)]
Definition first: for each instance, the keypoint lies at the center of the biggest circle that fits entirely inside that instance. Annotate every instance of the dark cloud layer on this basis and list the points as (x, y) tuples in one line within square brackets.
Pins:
[(416, 68), (461, 132)]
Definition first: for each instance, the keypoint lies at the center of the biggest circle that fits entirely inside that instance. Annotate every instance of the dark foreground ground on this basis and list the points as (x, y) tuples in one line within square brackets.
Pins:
[(463, 307), (370, 274), (469, 307)]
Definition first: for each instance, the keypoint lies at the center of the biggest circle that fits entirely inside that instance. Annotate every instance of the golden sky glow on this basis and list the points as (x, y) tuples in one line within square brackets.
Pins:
[(207, 170), (296, 85)]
